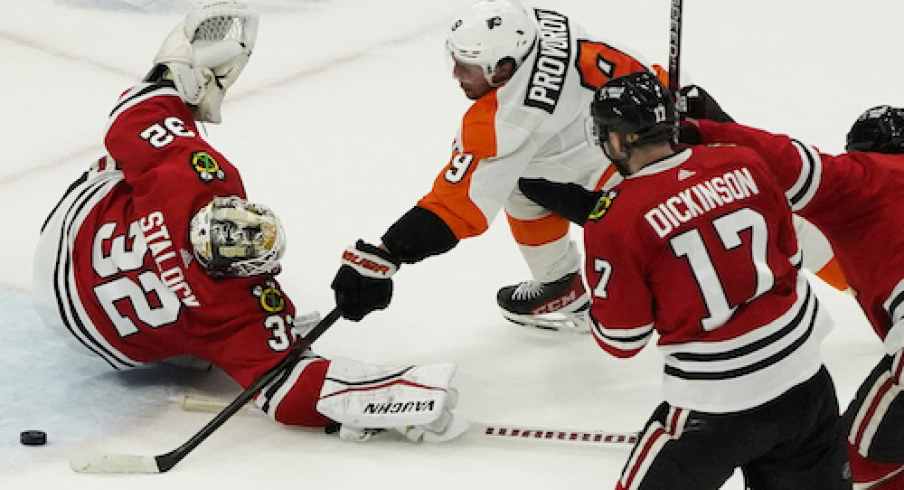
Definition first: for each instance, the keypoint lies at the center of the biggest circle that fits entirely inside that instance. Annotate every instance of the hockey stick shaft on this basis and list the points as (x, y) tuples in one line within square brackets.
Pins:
[(675, 45), (192, 403), (556, 435), (113, 463)]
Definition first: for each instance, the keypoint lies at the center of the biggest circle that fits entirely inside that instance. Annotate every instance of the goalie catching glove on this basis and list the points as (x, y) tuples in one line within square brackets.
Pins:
[(206, 52), (415, 401), (364, 281)]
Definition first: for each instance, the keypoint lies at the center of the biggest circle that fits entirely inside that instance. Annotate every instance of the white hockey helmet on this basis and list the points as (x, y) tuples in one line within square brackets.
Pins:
[(232, 237), (491, 31)]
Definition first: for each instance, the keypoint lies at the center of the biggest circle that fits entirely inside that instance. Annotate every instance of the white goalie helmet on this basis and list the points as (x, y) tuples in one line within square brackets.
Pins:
[(206, 53), (491, 31), (232, 237)]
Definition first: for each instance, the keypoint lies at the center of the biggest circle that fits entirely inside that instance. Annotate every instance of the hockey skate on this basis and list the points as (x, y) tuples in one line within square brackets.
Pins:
[(561, 305)]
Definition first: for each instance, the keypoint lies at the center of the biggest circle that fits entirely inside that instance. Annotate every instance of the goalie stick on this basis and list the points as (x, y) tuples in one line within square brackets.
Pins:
[(129, 463), (194, 403)]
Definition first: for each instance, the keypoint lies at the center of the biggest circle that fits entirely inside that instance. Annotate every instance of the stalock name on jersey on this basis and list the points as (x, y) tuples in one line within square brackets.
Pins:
[(548, 75)]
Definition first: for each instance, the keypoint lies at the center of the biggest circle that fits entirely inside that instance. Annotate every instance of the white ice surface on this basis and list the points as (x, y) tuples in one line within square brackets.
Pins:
[(340, 122)]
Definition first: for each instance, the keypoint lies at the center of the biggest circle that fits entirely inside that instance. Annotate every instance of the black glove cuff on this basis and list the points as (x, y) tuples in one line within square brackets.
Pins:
[(699, 104), (419, 234), (379, 252), (568, 200)]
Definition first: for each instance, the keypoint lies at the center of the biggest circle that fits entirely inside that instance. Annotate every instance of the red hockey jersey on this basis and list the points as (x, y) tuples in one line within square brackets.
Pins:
[(131, 289), (700, 249), (854, 199)]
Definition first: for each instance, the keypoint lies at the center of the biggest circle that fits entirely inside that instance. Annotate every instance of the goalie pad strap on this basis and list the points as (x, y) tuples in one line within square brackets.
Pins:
[(371, 396)]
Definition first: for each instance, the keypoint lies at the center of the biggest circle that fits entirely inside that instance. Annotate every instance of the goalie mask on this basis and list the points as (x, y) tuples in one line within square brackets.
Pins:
[(879, 130), (232, 237)]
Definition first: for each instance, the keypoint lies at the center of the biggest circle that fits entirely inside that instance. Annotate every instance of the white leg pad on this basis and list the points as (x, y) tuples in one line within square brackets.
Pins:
[(365, 395)]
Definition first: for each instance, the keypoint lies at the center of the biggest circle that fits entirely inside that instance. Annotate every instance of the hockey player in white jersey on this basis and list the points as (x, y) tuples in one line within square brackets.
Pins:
[(531, 73)]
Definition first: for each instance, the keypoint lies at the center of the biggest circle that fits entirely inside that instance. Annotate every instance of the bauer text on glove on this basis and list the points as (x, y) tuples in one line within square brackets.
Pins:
[(364, 281)]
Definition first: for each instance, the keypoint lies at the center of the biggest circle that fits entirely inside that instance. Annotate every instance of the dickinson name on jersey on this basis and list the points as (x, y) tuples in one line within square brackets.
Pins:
[(701, 198)]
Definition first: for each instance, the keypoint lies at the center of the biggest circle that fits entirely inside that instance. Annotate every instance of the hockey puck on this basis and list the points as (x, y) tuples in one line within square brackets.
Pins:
[(33, 438)]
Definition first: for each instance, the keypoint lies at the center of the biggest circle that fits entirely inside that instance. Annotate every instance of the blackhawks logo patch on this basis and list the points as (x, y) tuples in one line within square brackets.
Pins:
[(602, 206), (206, 166), (269, 297)]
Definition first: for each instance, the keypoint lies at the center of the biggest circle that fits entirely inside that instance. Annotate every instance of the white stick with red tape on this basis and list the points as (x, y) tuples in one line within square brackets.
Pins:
[(194, 403)]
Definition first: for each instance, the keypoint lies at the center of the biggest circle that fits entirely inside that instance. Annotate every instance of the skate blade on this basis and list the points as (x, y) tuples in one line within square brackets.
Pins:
[(552, 322)]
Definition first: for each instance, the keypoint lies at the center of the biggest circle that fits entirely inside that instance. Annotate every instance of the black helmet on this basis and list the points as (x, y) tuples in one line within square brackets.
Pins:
[(879, 130), (636, 106)]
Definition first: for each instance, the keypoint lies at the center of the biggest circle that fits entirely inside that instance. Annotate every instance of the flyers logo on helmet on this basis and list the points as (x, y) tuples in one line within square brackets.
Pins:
[(602, 206), (206, 166)]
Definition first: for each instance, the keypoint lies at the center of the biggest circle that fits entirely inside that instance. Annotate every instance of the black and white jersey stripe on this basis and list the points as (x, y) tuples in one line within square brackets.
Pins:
[(894, 306), (803, 190), (273, 394), (137, 95), (749, 356), (624, 339), (876, 406), (745, 371), (75, 207)]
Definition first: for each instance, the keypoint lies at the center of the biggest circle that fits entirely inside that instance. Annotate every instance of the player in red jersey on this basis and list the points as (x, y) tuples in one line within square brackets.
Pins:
[(531, 73), (853, 198), (696, 247), (155, 254)]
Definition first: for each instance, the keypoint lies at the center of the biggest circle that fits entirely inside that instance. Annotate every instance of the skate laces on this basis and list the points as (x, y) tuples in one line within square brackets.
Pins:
[(527, 290)]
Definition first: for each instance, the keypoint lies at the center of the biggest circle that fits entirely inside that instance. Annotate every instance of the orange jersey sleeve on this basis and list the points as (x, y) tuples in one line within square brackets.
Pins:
[(598, 62), (450, 197)]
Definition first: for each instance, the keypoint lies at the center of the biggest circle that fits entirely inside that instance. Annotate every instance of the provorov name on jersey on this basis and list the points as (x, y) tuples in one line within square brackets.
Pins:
[(548, 75)]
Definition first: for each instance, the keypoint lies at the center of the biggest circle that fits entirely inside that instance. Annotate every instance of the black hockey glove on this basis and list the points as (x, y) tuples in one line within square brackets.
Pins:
[(695, 103), (569, 201), (364, 281)]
